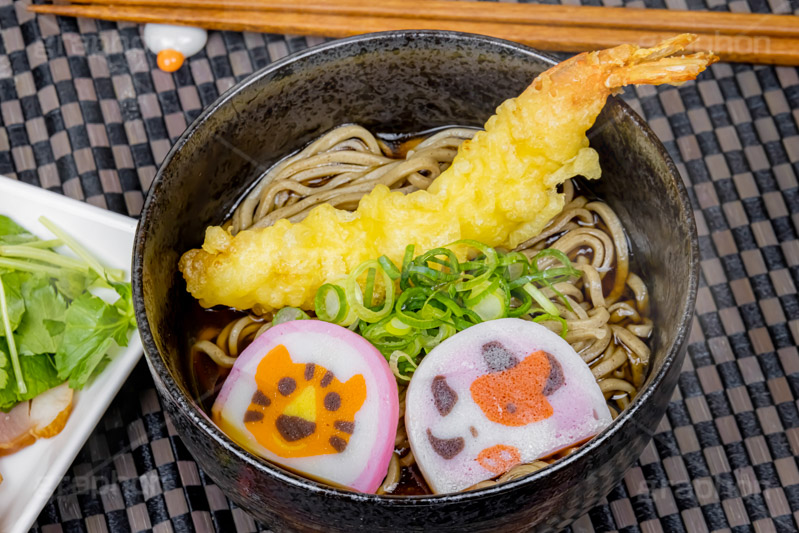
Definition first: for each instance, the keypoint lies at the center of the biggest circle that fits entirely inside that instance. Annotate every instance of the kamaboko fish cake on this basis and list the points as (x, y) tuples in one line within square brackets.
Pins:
[(496, 395), (316, 398)]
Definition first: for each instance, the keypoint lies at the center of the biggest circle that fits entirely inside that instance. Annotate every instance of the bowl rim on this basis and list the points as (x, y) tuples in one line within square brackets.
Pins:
[(200, 419)]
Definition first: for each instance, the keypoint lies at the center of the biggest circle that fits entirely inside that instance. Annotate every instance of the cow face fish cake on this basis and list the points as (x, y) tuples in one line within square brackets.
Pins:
[(495, 395), (315, 398)]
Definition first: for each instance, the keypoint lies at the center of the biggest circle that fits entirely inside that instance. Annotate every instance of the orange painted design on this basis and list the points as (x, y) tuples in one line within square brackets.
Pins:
[(499, 459), (302, 410), (169, 60), (514, 397)]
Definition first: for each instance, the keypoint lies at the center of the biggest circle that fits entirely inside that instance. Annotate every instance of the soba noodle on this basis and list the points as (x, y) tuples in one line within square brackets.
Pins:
[(607, 317)]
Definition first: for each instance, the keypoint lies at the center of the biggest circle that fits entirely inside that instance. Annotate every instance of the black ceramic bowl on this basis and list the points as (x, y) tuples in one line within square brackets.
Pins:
[(405, 81)]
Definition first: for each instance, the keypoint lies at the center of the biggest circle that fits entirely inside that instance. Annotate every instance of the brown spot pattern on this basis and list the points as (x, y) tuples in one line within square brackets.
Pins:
[(332, 401), (294, 428), (345, 426), (338, 443), (497, 357), (253, 416), (555, 379), (259, 398), (443, 396), (446, 448), (286, 386), (310, 368), (326, 379)]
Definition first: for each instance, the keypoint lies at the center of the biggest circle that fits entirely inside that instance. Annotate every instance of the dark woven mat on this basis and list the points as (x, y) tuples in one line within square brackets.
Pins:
[(85, 112)]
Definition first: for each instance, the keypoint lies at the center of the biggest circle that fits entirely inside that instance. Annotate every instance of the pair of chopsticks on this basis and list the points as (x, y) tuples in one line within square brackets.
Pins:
[(750, 38)]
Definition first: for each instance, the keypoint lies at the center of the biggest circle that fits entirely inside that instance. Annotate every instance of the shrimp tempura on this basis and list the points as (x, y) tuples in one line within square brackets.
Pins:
[(500, 189)]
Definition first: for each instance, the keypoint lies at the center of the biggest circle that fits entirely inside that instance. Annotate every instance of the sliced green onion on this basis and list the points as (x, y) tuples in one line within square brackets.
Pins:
[(406, 262), (561, 297), (414, 309), (444, 332), (450, 264), (524, 307), (397, 327), (389, 267), (512, 258), (491, 306), (480, 291), (425, 276), (491, 261), (330, 303), (355, 298), (394, 361), (449, 303), (378, 335), (370, 287), (564, 328), (552, 252), (545, 303), (552, 275), (289, 314), (439, 296)]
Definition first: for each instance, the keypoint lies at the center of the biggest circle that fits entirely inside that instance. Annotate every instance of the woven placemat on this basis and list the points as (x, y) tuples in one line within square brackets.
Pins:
[(85, 112)]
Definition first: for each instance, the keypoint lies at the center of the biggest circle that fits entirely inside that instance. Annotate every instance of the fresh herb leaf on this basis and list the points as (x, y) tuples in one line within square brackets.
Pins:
[(40, 375), (125, 302), (15, 304), (21, 238), (4, 366), (72, 284), (8, 332), (43, 304), (59, 330), (13, 233), (91, 327), (54, 327), (9, 227)]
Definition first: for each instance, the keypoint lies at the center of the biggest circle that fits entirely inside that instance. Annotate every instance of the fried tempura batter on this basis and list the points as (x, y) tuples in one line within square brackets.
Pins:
[(500, 189)]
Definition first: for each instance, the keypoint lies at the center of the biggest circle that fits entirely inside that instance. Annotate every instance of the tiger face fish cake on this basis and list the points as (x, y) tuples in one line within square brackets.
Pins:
[(496, 395), (316, 398)]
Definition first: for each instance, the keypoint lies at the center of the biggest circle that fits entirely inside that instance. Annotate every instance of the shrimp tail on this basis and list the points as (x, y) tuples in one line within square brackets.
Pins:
[(659, 64), (604, 71)]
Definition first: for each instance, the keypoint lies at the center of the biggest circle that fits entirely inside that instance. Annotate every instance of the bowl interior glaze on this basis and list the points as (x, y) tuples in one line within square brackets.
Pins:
[(403, 82)]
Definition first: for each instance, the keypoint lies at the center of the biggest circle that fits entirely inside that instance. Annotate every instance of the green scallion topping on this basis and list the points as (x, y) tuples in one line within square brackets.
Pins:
[(406, 312)]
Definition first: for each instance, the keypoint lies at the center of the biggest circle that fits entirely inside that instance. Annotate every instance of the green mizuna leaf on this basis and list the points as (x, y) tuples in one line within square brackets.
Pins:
[(9, 227), (91, 327), (72, 283), (38, 332), (40, 375), (4, 366), (12, 283), (59, 331)]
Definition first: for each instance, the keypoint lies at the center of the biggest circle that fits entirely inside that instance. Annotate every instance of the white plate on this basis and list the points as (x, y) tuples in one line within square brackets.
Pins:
[(32, 474)]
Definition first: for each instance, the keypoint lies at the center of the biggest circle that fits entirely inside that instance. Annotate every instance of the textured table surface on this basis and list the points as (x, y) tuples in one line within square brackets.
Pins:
[(85, 112)]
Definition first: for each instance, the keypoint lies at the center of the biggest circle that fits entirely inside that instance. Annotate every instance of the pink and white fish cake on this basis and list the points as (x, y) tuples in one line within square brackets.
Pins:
[(315, 398), (498, 394)]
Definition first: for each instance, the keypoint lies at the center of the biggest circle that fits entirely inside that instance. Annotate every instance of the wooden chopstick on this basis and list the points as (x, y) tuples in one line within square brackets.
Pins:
[(663, 20), (740, 48)]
